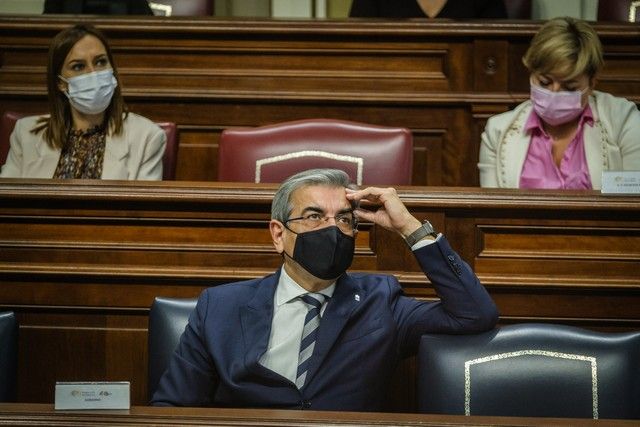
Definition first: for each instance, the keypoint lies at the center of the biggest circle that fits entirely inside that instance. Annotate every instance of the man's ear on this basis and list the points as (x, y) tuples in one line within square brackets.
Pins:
[(277, 230)]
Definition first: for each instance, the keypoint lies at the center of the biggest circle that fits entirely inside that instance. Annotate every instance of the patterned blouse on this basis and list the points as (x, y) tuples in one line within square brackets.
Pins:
[(83, 156)]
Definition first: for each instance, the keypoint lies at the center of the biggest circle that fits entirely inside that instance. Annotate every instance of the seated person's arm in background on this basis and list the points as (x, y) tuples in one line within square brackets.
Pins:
[(489, 143), (629, 138), (153, 142)]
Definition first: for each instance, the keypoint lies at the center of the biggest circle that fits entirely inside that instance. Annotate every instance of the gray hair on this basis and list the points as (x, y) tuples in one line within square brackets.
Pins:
[(281, 206)]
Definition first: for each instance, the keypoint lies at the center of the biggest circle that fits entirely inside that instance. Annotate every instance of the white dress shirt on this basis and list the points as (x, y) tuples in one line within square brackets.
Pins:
[(289, 313)]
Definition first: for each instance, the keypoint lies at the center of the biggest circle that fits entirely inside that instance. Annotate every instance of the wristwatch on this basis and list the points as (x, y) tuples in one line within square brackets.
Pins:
[(425, 230)]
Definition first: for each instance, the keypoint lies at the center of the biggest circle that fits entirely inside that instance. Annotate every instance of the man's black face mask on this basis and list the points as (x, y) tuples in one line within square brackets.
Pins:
[(325, 253)]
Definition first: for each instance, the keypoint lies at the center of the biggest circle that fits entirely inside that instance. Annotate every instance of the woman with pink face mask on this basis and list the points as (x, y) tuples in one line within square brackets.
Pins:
[(567, 133), (88, 133)]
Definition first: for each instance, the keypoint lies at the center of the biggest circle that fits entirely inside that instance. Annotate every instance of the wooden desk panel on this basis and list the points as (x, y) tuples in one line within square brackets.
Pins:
[(440, 79), (22, 414), (80, 262)]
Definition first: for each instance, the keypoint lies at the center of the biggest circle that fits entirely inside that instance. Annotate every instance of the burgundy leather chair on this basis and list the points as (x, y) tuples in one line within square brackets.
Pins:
[(170, 158), (9, 119), (518, 9), (7, 123), (619, 10), (370, 154), (182, 7)]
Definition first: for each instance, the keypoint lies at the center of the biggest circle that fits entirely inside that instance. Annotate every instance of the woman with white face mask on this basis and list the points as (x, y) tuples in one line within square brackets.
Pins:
[(567, 133), (88, 133)]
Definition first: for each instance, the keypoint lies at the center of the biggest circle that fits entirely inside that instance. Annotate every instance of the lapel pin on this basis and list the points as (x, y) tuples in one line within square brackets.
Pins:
[(357, 297)]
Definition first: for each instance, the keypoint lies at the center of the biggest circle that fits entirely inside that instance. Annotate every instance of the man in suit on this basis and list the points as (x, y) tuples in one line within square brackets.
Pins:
[(311, 335)]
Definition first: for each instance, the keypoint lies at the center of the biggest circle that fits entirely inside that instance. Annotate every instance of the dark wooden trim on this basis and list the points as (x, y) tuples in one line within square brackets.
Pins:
[(21, 414)]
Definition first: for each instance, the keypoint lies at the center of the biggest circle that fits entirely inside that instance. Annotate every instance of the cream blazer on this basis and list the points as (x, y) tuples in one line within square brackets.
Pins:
[(613, 143), (135, 154)]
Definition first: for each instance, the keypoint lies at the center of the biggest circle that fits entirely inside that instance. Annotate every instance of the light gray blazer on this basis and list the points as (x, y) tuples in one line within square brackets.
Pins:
[(135, 154), (613, 143)]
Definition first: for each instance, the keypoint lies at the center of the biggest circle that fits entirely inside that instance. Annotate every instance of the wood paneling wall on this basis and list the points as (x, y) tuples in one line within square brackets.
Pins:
[(80, 263), (440, 79)]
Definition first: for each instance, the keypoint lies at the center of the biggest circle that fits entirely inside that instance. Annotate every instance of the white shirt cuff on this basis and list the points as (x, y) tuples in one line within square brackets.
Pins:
[(424, 242)]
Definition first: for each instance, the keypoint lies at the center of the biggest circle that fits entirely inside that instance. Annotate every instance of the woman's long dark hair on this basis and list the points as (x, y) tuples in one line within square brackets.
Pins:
[(56, 127)]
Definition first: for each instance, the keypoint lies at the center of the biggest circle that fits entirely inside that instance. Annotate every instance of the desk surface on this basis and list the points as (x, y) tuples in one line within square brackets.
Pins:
[(25, 414)]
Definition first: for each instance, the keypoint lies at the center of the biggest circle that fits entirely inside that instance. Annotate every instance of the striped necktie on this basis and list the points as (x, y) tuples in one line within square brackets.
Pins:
[(309, 332)]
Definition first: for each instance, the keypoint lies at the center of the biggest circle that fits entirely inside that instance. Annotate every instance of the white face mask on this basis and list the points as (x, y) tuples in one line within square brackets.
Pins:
[(91, 93)]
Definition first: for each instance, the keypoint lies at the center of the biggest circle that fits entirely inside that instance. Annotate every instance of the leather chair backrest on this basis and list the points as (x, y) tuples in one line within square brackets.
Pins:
[(369, 154), (531, 369), (167, 320), (169, 161), (518, 9), (182, 7), (8, 356), (7, 123), (619, 10)]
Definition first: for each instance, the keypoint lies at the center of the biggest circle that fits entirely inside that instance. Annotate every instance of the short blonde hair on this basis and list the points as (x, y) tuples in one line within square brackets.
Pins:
[(566, 46)]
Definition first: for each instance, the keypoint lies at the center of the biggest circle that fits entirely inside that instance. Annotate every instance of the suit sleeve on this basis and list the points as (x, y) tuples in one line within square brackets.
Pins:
[(191, 378), (464, 306)]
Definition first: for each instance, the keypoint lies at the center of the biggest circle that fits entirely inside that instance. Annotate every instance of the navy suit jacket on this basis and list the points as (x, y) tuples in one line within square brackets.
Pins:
[(367, 326)]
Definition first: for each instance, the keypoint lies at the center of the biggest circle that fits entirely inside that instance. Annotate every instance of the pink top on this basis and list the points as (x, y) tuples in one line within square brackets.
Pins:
[(540, 170)]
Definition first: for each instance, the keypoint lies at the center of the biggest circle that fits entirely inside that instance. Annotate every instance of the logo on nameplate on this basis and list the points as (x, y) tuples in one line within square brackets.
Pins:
[(92, 395)]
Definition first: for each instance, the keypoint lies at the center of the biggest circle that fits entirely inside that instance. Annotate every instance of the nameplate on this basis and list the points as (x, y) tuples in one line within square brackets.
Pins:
[(92, 395), (620, 182)]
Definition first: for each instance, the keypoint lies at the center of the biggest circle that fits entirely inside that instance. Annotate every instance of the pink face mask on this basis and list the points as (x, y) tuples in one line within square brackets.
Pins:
[(556, 108)]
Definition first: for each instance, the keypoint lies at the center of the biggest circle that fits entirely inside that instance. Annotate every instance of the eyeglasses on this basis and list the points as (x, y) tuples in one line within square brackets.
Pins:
[(346, 221)]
